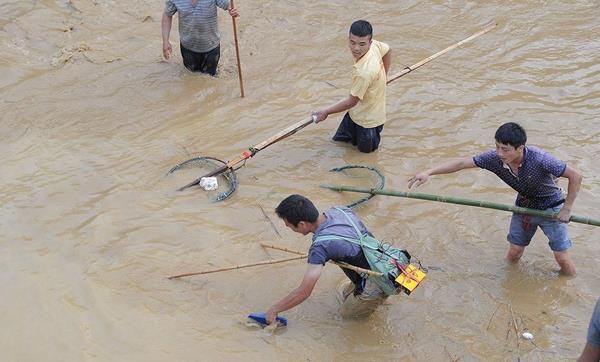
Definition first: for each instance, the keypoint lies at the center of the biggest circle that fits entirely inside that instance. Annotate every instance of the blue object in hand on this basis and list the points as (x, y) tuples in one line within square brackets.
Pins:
[(262, 319)]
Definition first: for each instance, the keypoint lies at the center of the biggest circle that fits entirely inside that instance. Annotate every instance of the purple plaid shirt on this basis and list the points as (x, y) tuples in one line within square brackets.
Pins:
[(536, 180)]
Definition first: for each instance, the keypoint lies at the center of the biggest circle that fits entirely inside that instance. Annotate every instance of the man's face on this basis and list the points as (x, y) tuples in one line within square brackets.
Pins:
[(301, 228), (508, 153), (359, 45)]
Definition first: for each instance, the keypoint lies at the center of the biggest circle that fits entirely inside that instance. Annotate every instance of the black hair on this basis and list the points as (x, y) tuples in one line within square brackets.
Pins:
[(296, 208), (361, 28), (511, 134)]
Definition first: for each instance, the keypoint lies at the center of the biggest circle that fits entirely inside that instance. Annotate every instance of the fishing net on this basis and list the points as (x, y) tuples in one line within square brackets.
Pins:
[(359, 174), (198, 166)]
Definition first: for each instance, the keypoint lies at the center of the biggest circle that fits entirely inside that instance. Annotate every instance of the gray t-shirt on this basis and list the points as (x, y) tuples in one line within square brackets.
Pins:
[(337, 249), (198, 26), (593, 336)]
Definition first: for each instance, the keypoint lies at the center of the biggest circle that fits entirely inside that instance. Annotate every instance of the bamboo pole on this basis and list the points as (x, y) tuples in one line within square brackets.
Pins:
[(237, 53), (301, 124), (253, 150), (271, 246), (461, 201), (340, 264), (438, 54), (300, 254), (356, 269), (265, 262)]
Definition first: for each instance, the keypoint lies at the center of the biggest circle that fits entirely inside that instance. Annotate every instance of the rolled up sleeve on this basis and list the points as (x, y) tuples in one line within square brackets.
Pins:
[(170, 8)]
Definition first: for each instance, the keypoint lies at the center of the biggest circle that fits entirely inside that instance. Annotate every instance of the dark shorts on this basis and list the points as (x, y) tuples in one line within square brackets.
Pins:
[(367, 139), (201, 62)]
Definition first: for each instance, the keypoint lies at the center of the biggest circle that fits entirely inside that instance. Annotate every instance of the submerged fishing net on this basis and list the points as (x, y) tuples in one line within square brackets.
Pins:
[(198, 166), (358, 175)]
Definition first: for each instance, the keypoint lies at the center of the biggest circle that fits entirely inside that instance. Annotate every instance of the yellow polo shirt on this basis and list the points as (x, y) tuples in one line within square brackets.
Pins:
[(369, 84)]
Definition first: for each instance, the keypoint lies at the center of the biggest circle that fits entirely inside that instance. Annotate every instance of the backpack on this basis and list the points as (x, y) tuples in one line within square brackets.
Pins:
[(382, 258)]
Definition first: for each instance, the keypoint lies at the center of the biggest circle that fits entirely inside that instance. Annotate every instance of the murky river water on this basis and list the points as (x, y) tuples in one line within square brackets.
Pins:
[(92, 119)]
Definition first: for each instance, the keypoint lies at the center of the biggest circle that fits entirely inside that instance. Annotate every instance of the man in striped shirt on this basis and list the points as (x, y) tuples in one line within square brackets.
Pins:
[(198, 32)]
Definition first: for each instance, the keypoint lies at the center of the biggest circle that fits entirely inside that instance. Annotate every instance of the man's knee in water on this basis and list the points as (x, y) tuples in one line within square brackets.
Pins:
[(514, 253)]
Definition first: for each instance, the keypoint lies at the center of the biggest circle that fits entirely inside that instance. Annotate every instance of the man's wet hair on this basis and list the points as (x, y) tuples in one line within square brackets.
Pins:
[(361, 28), (296, 208), (511, 134)]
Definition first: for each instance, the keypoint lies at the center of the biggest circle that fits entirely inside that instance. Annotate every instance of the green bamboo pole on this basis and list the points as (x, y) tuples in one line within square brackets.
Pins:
[(461, 201)]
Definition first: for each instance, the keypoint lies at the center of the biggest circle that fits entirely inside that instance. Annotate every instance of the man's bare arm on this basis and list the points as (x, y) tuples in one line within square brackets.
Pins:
[(387, 61), (343, 105), (446, 167), (167, 21), (298, 295), (572, 189)]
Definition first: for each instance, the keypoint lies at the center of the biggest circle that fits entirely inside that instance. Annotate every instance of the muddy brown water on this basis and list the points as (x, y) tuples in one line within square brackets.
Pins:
[(92, 119)]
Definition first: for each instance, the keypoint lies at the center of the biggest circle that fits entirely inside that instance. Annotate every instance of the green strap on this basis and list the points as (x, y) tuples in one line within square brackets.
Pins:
[(320, 238), (358, 241), (351, 223)]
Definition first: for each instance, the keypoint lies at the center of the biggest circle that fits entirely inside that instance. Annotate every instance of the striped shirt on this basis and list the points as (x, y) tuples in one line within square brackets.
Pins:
[(198, 27)]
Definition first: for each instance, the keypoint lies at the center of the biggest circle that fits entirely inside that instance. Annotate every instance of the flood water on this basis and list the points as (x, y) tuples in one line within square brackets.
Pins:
[(90, 227)]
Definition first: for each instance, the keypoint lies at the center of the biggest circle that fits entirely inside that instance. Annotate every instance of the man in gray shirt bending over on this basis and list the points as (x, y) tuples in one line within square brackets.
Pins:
[(359, 296), (198, 32)]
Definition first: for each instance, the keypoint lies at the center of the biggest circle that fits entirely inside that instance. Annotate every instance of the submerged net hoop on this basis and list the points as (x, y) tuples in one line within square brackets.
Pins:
[(211, 162), (379, 186)]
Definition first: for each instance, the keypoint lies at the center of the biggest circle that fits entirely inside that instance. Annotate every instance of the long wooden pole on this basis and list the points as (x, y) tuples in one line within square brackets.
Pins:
[(438, 54), (461, 201), (237, 52), (281, 248), (266, 262), (253, 150), (300, 254), (298, 126), (340, 264)]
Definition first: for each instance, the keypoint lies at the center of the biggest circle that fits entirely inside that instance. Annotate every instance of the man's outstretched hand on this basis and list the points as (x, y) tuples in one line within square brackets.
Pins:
[(418, 180)]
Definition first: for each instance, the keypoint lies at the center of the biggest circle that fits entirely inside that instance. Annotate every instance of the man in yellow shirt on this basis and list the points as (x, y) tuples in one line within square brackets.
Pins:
[(363, 123)]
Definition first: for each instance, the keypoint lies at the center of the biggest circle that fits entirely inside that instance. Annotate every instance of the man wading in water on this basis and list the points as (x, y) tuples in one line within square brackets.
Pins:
[(198, 32), (532, 172), (363, 123), (360, 297)]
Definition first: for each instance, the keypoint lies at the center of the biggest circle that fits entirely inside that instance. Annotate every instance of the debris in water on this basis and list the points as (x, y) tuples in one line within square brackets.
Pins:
[(209, 183), (528, 336)]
